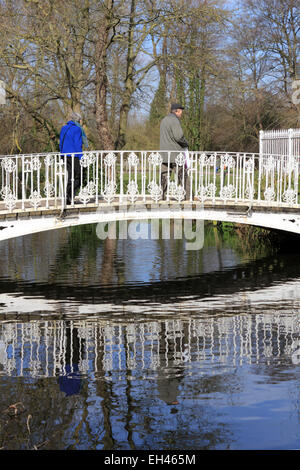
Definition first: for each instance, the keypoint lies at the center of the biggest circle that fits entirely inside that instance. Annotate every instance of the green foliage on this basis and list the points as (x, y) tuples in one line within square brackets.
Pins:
[(250, 241), (142, 137)]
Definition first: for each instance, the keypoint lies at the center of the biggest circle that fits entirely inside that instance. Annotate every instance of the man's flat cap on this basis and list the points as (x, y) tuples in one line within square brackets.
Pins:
[(176, 106)]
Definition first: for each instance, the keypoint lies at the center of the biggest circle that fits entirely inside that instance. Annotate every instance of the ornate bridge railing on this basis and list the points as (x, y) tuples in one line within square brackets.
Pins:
[(40, 180)]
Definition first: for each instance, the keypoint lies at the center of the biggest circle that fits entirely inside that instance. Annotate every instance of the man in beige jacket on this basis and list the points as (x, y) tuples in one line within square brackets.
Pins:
[(172, 140)]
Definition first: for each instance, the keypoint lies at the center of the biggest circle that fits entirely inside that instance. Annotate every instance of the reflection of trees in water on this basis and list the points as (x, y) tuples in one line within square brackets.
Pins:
[(109, 282), (78, 265), (248, 241), (107, 266), (30, 257), (85, 268), (142, 383), (77, 255)]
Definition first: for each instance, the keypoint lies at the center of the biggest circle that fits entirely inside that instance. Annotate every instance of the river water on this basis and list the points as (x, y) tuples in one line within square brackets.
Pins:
[(143, 344)]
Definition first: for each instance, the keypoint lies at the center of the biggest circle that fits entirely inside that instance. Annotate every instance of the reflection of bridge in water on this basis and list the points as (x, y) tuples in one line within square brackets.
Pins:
[(245, 188), (52, 348)]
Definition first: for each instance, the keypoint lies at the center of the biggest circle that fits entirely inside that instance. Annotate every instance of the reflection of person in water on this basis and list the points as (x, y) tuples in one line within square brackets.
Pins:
[(168, 385), (168, 389), (71, 382)]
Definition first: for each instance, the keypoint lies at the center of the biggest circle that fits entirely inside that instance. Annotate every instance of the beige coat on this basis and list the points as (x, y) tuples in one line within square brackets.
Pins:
[(171, 137)]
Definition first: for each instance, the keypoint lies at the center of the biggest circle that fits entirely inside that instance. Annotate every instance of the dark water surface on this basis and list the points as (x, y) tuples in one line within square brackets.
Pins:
[(143, 344)]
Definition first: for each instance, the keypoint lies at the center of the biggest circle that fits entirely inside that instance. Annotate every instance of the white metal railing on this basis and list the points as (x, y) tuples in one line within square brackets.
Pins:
[(40, 180)]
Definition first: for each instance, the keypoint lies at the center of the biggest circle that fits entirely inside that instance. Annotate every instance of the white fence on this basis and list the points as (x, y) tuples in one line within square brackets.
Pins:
[(280, 142)]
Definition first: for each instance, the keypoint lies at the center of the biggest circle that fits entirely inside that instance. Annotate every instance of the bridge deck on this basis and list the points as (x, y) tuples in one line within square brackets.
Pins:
[(51, 208)]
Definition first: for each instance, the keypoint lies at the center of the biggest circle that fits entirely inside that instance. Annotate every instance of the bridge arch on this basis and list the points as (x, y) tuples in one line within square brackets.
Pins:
[(35, 222)]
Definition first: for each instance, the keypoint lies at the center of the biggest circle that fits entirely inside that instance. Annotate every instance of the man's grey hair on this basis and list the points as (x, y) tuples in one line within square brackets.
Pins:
[(73, 116)]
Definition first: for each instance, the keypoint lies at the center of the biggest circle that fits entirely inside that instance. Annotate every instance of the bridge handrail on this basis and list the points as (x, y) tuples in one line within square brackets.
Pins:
[(40, 179), (221, 152)]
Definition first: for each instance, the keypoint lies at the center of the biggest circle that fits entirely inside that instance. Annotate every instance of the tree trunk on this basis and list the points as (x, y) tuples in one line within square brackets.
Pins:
[(101, 80), (129, 85)]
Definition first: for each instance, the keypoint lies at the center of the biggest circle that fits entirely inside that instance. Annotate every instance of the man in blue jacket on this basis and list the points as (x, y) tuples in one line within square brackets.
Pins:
[(72, 138)]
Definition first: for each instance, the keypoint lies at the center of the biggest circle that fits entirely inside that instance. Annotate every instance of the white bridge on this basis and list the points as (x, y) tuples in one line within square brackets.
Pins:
[(247, 188)]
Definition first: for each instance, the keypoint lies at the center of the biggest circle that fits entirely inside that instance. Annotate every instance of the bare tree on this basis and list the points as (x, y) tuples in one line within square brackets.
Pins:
[(279, 22), (46, 47), (142, 21)]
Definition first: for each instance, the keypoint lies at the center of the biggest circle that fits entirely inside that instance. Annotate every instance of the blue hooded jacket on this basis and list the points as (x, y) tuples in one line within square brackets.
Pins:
[(70, 140)]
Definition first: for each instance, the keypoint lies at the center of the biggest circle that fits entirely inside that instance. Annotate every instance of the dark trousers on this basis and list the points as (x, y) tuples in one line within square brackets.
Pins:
[(181, 171), (76, 176)]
